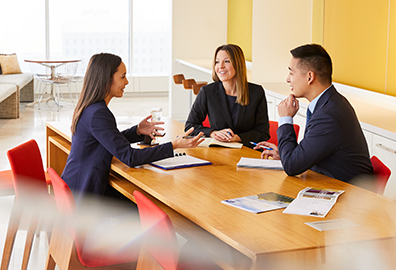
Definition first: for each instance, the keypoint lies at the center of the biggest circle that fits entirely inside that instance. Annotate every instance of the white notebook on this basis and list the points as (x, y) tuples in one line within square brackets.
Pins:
[(180, 161), (260, 163)]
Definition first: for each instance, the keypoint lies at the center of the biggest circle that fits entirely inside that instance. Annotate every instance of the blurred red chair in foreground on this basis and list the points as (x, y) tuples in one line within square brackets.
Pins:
[(381, 173), (274, 127), (6, 183), (30, 187), (160, 238), (68, 248)]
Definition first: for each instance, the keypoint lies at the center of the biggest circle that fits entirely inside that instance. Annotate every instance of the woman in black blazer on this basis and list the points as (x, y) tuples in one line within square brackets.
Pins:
[(237, 110), (96, 139)]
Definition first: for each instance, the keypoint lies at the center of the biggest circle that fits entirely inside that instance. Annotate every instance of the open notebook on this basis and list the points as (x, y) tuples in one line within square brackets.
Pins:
[(210, 142), (180, 160)]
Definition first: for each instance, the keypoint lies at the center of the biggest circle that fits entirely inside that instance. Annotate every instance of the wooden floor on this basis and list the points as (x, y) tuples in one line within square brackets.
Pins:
[(31, 125)]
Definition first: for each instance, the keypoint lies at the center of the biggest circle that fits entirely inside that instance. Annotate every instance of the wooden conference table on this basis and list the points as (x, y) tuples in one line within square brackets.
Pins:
[(237, 239)]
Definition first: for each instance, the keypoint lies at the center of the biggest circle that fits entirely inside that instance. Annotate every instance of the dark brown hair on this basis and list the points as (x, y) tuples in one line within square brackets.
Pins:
[(97, 83), (314, 57)]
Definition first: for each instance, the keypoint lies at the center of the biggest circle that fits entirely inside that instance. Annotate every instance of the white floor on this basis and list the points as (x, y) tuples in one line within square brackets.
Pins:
[(31, 125)]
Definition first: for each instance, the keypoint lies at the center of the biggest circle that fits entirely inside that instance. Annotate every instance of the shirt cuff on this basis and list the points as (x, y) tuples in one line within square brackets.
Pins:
[(285, 120)]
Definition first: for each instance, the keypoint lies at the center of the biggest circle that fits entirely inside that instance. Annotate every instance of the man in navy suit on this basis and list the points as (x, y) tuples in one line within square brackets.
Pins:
[(333, 142)]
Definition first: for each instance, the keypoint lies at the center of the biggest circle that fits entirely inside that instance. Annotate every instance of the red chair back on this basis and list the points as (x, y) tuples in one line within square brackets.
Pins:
[(381, 172), (160, 236), (63, 195), (93, 256), (27, 169), (274, 126), (206, 123)]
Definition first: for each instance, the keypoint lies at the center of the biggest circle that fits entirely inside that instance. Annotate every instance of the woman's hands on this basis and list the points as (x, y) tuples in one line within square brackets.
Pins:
[(182, 142), (225, 135), (149, 128), (274, 153)]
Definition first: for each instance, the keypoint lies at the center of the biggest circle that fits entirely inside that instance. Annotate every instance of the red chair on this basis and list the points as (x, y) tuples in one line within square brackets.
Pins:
[(6, 183), (206, 122), (382, 174), (30, 185), (68, 248), (274, 127), (160, 238)]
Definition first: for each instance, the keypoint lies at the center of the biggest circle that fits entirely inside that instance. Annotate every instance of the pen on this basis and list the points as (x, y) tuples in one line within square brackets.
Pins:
[(265, 147)]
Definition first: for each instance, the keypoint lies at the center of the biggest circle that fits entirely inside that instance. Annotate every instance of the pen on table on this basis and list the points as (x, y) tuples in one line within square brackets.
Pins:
[(262, 146)]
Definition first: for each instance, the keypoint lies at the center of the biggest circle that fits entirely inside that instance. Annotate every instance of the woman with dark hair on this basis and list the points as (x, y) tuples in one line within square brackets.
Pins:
[(95, 137), (237, 110)]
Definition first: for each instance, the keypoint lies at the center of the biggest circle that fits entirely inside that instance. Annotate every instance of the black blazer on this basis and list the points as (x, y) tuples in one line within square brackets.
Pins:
[(333, 142), (252, 123), (94, 144)]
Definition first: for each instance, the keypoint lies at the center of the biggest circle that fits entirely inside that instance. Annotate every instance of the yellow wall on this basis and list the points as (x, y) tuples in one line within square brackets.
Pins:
[(356, 37), (239, 30)]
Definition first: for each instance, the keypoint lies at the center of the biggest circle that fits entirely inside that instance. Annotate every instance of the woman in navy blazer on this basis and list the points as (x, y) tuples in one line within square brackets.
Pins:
[(95, 137), (237, 110)]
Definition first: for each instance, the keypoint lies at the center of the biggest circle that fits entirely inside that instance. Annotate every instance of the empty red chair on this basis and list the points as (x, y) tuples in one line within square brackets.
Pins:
[(381, 173), (160, 237), (274, 127), (30, 186), (68, 248)]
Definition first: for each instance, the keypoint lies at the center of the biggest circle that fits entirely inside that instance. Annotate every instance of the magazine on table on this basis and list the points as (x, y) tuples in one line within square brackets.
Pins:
[(314, 202), (261, 202)]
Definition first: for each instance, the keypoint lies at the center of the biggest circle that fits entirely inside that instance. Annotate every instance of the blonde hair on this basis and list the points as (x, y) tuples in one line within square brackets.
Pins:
[(237, 59)]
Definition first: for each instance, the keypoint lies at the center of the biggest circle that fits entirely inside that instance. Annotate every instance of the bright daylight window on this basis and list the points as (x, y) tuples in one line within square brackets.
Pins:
[(22, 31), (151, 37), (79, 29)]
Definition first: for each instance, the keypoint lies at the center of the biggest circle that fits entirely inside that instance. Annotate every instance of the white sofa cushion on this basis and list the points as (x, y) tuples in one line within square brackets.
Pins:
[(7, 90), (18, 79)]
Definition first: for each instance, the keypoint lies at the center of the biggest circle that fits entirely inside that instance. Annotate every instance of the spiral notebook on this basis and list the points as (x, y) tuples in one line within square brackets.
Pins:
[(180, 160)]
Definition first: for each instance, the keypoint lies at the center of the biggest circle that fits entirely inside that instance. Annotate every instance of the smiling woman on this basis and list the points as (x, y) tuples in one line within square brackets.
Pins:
[(96, 138), (237, 110)]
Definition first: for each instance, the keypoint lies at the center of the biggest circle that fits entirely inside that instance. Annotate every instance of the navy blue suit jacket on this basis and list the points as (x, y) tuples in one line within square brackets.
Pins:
[(252, 123), (333, 142), (94, 144)]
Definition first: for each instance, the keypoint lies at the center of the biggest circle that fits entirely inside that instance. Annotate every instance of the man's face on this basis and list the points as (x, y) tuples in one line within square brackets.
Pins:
[(297, 79)]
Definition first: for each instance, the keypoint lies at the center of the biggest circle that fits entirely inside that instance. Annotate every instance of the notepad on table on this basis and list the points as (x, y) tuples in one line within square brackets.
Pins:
[(261, 202), (260, 163), (180, 161), (210, 142)]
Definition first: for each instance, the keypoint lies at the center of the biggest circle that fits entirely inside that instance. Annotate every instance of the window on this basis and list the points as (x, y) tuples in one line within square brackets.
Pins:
[(151, 36), (79, 29), (22, 31), (74, 23)]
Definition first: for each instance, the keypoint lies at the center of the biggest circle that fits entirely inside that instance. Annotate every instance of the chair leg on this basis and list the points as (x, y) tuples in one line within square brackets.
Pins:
[(29, 241), (50, 264), (10, 237)]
